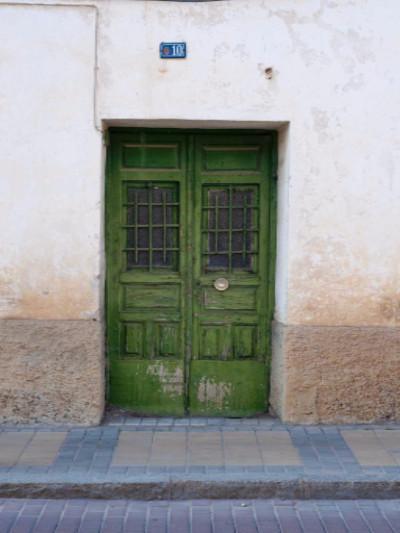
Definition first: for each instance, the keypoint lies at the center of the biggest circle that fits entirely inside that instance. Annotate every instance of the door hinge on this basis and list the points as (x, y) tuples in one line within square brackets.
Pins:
[(274, 165), (106, 138)]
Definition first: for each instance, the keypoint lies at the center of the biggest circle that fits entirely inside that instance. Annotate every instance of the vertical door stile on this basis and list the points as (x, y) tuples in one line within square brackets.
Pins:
[(188, 294)]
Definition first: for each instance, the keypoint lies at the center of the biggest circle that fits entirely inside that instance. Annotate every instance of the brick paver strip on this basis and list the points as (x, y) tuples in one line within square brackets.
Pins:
[(261, 516), (12, 444), (288, 518), (368, 448), (390, 511), (244, 518), (376, 520), (222, 517), (352, 517), (42, 449), (310, 520)]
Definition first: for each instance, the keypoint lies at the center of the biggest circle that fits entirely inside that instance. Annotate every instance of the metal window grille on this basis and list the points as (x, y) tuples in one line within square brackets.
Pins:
[(152, 226), (230, 228)]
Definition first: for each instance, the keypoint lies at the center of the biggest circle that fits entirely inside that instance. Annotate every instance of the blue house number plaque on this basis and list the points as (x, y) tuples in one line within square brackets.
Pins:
[(172, 50)]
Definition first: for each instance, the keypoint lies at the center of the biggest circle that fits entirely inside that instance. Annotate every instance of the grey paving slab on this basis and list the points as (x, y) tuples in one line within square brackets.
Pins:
[(277, 448), (241, 448), (133, 448), (12, 445), (205, 449), (369, 449), (168, 449)]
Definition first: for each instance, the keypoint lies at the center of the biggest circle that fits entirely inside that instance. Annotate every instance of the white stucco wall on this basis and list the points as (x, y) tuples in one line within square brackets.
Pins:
[(335, 92), (334, 81), (50, 171)]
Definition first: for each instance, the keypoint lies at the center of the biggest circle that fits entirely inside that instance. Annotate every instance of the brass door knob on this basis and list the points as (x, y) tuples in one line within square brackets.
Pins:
[(221, 284)]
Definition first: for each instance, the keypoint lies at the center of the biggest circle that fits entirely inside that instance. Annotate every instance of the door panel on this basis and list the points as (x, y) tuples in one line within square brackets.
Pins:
[(189, 271), (230, 321), (147, 272)]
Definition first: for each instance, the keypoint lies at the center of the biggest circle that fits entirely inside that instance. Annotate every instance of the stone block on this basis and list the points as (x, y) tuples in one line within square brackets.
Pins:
[(52, 371), (335, 374)]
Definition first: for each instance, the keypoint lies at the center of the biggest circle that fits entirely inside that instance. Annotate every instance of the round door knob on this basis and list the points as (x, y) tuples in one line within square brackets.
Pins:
[(221, 284)]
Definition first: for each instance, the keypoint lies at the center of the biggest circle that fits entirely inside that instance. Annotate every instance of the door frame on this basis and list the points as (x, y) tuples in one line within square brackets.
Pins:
[(272, 230)]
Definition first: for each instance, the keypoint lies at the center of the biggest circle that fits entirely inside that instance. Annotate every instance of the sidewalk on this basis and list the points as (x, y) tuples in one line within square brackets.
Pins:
[(149, 458)]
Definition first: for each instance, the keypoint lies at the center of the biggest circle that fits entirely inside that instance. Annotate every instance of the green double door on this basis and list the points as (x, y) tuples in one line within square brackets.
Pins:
[(190, 256)]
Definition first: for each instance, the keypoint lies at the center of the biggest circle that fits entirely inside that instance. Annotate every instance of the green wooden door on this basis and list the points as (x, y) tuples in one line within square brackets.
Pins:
[(228, 371), (147, 271), (190, 246)]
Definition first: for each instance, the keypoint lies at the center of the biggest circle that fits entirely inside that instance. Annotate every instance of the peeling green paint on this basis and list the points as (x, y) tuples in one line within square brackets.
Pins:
[(209, 392), (170, 377), (239, 389), (156, 388)]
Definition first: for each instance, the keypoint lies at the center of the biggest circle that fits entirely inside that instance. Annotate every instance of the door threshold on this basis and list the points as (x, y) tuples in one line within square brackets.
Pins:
[(115, 416)]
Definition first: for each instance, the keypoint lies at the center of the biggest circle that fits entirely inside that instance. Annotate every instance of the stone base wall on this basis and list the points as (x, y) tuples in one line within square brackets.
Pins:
[(51, 371), (325, 374)]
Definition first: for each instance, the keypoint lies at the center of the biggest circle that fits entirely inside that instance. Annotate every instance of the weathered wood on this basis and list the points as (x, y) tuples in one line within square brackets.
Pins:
[(174, 342)]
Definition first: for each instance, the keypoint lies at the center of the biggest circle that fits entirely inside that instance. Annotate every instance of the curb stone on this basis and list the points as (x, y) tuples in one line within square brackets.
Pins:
[(197, 489)]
